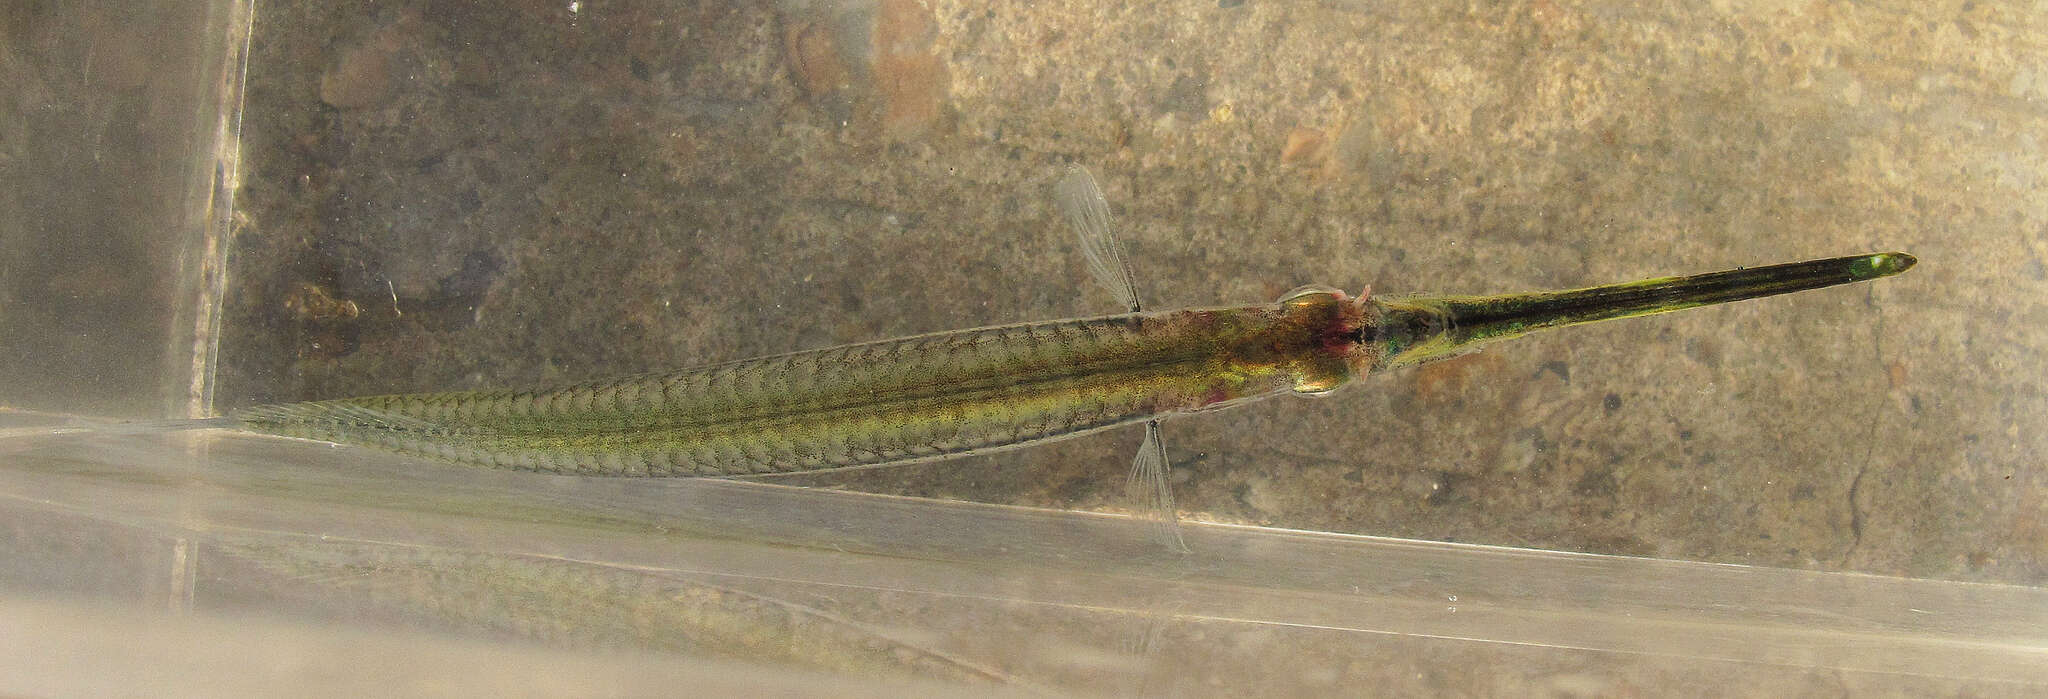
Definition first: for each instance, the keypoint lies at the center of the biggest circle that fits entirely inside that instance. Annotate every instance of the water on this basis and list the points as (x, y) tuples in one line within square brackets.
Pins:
[(532, 194)]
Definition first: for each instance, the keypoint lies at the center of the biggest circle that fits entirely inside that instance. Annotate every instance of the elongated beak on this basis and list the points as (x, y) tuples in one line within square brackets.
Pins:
[(1415, 330)]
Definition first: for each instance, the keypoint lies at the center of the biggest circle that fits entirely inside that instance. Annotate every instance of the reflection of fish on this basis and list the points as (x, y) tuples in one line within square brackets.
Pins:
[(967, 391), (582, 603)]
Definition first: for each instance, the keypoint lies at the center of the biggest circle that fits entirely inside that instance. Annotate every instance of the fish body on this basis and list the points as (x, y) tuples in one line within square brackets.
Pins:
[(951, 393), (909, 399)]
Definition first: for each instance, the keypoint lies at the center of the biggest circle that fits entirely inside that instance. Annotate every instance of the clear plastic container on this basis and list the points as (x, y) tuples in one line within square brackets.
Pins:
[(170, 246)]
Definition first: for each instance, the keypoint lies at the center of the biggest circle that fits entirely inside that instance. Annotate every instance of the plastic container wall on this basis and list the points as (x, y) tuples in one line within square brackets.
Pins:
[(514, 247)]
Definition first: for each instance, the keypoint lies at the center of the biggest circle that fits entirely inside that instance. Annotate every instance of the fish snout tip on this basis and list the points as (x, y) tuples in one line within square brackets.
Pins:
[(1883, 264)]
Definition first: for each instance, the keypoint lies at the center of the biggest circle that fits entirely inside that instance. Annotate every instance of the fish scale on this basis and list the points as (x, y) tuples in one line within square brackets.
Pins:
[(914, 398)]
